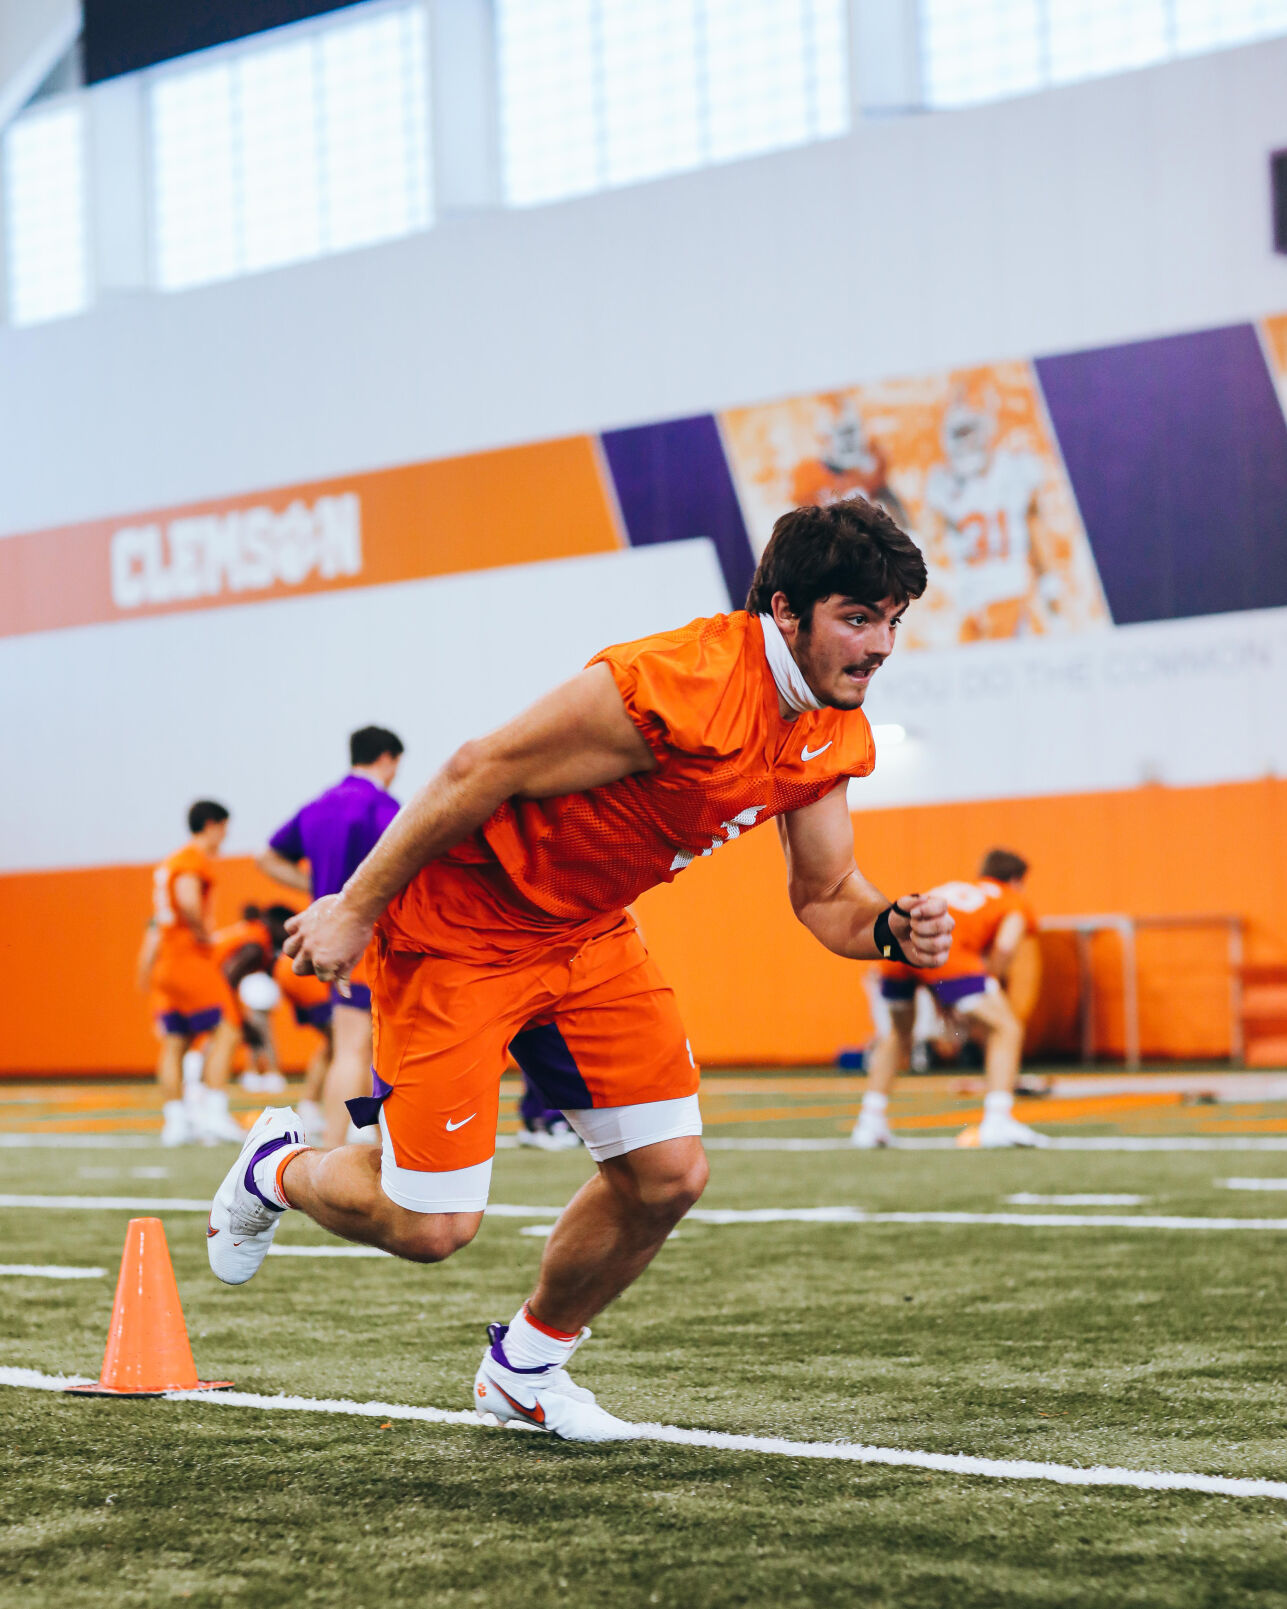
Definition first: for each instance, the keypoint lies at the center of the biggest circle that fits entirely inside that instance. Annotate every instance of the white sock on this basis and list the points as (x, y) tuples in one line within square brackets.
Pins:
[(269, 1169), (529, 1345), (997, 1103), (173, 1112), (216, 1101), (875, 1101)]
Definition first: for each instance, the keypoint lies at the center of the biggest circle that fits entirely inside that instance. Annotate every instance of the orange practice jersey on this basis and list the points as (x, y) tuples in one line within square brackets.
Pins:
[(229, 940), (978, 910), (562, 869), (176, 936), (303, 991)]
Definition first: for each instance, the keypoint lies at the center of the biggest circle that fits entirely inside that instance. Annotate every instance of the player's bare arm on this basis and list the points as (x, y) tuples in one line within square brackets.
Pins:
[(283, 871), (188, 904), (1005, 945), (577, 737), (147, 956), (837, 903)]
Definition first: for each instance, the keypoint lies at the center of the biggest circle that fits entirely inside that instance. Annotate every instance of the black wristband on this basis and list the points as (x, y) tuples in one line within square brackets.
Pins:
[(889, 947)]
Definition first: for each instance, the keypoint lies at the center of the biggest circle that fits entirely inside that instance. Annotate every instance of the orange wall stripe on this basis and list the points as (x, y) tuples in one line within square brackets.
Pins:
[(519, 505), (754, 986)]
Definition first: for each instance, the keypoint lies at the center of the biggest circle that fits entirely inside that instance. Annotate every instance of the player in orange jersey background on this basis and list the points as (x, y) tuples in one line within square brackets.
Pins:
[(498, 901), (190, 996), (992, 917), (245, 951), (310, 1000)]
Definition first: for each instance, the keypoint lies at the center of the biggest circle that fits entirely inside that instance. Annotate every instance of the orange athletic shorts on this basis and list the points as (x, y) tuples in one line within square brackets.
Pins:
[(190, 995), (593, 1025)]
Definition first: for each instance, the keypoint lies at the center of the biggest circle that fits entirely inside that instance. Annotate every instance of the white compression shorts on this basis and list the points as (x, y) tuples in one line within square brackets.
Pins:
[(608, 1131)]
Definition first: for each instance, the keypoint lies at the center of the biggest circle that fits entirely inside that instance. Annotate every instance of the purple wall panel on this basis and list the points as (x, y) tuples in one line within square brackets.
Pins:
[(673, 482), (1177, 451)]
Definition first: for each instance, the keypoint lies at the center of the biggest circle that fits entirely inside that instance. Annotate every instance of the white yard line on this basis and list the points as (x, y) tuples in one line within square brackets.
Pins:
[(1025, 1199), (1150, 1480), (1100, 1142), (78, 1142), (730, 1215), (149, 1204), (49, 1271), (507, 1142), (1253, 1184)]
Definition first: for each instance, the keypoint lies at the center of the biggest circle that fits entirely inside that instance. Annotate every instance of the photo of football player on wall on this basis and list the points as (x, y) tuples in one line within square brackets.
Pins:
[(968, 462)]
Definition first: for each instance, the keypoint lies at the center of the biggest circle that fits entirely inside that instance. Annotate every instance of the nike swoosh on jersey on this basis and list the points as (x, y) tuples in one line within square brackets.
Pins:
[(452, 1127), (806, 753)]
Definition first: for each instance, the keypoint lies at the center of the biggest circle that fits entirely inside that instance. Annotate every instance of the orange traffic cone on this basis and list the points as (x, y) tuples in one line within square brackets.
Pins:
[(147, 1345)]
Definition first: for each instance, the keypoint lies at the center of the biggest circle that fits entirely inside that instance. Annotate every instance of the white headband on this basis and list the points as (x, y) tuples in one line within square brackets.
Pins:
[(796, 693)]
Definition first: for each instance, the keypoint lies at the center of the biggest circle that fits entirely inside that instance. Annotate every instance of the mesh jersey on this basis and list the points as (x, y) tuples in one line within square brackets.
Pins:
[(978, 910), (704, 700), (176, 936)]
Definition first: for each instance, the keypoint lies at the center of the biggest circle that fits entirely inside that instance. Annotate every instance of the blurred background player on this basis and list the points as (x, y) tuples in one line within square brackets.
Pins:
[(334, 833), (245, 951), (541, 1125), (189, 994), (310, 1000), (992, 918)]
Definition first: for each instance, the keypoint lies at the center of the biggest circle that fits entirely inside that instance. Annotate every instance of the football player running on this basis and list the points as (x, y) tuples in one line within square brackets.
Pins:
[(497, 901)]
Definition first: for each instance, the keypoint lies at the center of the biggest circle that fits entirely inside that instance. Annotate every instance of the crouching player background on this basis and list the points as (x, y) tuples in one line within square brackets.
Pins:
[(497, 900)]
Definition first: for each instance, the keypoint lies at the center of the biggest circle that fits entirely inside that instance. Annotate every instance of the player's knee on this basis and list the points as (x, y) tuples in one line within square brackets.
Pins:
[(668, 1193), (433, 1237)]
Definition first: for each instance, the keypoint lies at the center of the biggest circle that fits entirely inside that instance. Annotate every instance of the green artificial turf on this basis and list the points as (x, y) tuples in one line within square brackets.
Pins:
[(1144, 1348)]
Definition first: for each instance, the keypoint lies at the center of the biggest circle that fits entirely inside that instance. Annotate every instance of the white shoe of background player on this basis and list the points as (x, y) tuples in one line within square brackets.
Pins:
[(559, 1136), (175, 1128), (242, 1222), (871, 1132), (313, 1118), (541, 1399), (999, 1130), (213, 1122)]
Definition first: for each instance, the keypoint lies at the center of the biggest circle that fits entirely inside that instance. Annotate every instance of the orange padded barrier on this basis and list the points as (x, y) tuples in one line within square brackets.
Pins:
[(753, 985)]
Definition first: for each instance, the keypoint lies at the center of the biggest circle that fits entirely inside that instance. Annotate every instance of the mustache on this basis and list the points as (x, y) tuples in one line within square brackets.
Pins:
[(864, 667)]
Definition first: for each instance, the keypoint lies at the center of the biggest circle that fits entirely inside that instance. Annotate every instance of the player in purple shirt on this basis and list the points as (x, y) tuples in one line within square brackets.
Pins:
[(334, 833)]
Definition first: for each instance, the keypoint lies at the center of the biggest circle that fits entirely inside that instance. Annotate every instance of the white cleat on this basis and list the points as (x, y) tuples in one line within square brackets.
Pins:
[(212, 1123), (871, 1133), (558, 1137), (541, 1399), (242, 1224), (175, 1129), (999, 1131), (313, 1118)]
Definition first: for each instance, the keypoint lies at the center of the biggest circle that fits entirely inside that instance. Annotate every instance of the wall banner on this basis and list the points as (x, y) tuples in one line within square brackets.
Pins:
[(516, 506)]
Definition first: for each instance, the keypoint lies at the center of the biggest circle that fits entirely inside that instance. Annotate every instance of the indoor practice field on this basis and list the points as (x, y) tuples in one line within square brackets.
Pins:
[(1148, 1345), (643, 804)]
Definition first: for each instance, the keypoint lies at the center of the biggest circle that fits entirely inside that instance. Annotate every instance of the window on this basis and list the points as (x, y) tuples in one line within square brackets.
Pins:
[(45, 234), (316, 142), (982, 50), (606, 92)]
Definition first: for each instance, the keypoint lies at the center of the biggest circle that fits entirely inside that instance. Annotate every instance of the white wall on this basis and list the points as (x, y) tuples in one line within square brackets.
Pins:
[(108, 733), (1181, 703), (1105, 211)]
